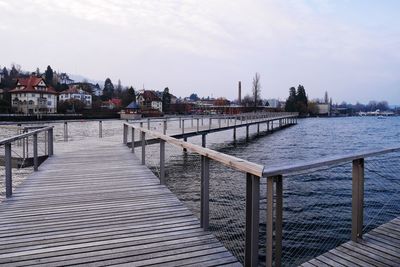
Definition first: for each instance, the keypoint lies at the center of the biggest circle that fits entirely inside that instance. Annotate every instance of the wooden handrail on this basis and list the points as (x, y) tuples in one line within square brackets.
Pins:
[(21, 136), (325, 162), (230, 161)]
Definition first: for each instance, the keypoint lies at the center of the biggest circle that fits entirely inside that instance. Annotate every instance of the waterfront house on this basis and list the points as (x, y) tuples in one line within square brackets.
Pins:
[(33, 96), (73, 92), (148, 99), (114, 103)]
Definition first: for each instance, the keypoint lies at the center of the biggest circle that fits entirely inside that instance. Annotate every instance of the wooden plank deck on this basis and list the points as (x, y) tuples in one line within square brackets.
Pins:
[(380, 247), (93, 204)]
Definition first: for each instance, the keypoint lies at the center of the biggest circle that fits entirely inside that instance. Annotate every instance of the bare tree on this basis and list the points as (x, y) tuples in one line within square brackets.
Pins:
[(256, 88)]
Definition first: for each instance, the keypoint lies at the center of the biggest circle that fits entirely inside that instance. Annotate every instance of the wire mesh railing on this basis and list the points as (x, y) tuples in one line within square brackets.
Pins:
[(27, 149)]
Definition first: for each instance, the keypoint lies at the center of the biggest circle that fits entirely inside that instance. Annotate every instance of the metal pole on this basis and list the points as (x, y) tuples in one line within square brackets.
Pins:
[(183, 126), (65, 131), (247, 132), (35, 152), (234, 134), (357, 199), (204, 208), (100, 129), (203, 140), (8, 167), (270, 222), (197, 124), (210, 123), (162, 162), (148, 124), (252, 219), (278, 220), (133, 140), (143, 134), (125, 134), (51, 142)]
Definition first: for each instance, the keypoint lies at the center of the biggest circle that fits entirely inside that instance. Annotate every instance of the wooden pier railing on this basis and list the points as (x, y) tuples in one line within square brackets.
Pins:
[(7, 143), (274, 181)]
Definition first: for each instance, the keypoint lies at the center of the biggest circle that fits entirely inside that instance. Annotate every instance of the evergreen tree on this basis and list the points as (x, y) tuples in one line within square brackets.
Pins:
[(48, 75), (128, 96), (14, 72), (166, 100), (108, 91), (301, 100), (291, 101)]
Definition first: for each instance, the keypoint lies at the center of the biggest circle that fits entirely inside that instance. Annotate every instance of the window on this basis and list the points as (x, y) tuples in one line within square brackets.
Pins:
[(33, 95), (49, 103)]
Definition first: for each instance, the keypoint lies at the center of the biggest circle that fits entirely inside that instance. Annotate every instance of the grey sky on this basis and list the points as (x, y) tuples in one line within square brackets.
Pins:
[(349, 48)]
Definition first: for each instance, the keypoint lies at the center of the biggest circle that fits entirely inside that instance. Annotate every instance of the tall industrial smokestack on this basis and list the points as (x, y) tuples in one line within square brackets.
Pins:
[(240, 92)]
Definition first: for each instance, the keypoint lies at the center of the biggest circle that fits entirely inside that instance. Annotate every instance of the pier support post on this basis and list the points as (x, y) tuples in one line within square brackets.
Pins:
[(143, 136), (183, 126), (197, 126), (252, 220), (204, 194), (247, 132), (148, 123), (8, 170), (234, 134), (180, 122), (203, 140), (100, 129), (219, 122), (258, 129), (210, 123), (35, 152), (202, 121), (357, 199)]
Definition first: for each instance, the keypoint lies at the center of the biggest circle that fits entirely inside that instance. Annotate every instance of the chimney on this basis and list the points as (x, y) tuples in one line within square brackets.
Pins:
[(240, 93)]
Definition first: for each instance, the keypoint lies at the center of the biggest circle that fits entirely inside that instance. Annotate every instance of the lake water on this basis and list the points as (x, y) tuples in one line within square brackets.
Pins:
[(317, 203)]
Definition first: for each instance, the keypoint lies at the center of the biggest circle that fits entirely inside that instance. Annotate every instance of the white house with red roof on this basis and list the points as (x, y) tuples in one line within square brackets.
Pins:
[(33, 96), (148, 99), (73, 92)]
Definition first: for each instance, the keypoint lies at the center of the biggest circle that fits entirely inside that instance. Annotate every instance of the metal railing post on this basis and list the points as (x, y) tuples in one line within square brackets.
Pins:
[(204, 194), (197, 126), (272, 193), (143, 137), (357, 199), (35, 152), (183, 126), (162, 161), (50, 141), (278, 220), (133, 140), (65, 131), (8, 170), (252, 219), (100, 129), (125, 134), (148, 124)]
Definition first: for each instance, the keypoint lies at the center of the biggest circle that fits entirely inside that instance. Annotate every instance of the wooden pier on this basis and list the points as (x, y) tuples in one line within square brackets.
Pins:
[(380, 247), (93, 203)]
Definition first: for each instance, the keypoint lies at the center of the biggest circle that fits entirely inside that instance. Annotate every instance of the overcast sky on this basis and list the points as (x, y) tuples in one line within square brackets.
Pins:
[(349, 48)]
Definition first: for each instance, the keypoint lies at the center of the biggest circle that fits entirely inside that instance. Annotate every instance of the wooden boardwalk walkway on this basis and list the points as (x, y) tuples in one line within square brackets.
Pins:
[(93, 204), (380, 247)]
